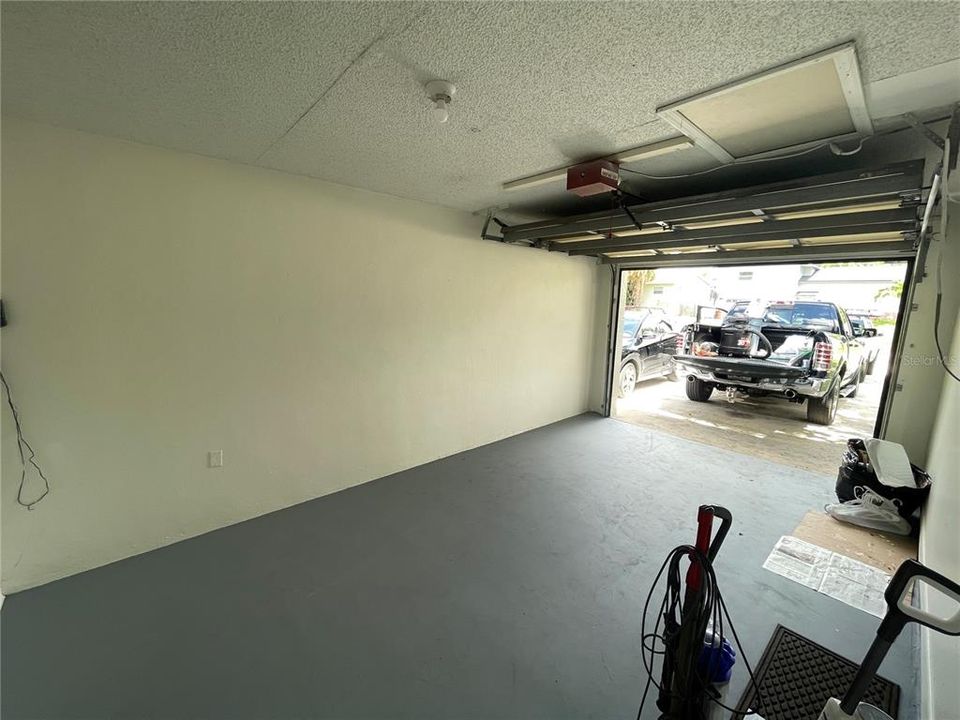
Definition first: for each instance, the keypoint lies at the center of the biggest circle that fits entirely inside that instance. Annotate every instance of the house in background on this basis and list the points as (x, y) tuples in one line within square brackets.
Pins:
[(770, 283), (867, 288), (677, 291)]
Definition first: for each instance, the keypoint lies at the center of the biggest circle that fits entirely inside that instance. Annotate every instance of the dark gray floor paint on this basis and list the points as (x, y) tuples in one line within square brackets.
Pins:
[(504, 582)]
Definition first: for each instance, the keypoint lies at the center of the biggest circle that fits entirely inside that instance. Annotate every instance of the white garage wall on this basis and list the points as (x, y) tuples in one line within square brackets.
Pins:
[(940, 534), (163, 305), (939, 542)]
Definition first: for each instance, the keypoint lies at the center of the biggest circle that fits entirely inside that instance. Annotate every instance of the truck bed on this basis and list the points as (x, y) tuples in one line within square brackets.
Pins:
[(743, 367)]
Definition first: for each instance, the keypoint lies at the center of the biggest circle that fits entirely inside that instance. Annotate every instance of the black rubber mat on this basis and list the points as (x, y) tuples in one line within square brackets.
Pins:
[(797, 677)]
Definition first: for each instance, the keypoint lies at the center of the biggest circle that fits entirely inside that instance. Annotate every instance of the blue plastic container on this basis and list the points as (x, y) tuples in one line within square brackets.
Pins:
[(716, 659)]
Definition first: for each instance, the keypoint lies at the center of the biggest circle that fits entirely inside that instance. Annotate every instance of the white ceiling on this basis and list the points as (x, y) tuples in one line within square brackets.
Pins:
[(334, 90)]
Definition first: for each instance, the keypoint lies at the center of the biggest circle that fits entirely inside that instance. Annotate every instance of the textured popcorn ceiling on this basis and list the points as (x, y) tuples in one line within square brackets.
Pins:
[(334, 90)]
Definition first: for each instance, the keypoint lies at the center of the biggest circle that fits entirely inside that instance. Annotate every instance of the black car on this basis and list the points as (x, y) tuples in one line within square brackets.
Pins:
[(648, 344)]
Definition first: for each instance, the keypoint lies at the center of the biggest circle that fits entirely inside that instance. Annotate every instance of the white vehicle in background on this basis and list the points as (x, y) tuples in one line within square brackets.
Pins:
[(864, 328)]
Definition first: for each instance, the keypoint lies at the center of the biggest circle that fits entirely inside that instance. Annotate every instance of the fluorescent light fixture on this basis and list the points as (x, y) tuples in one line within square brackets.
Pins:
[(794, 105), (652, 150), (653, 230), (630, 253), (534, 180), (759, 245), (693, 249), (574, 238), (638, 153), (841, 210), (749, 220), (854, 238)]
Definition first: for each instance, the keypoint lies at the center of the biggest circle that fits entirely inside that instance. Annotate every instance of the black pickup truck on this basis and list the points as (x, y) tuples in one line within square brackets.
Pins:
[(800, 351)]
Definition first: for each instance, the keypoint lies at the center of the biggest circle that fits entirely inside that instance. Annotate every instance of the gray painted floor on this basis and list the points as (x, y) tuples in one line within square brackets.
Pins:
[(504, 582)]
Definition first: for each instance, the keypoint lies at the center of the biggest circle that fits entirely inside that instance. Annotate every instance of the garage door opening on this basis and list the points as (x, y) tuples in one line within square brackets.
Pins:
[(753, 337)]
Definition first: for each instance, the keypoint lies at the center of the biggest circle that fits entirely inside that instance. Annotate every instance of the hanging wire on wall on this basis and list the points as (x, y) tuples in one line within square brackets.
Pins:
[(27, 454)]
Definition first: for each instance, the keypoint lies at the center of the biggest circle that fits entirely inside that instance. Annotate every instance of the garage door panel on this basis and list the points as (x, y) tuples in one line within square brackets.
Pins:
[(891, 187), (856, 210), (897, 250)]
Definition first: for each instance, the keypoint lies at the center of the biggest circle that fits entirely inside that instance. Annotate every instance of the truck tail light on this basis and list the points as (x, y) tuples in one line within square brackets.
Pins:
[(822, 354)]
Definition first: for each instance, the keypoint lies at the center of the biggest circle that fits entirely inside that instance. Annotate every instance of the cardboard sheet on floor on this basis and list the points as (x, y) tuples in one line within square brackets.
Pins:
[(881, 550), (849, 581)]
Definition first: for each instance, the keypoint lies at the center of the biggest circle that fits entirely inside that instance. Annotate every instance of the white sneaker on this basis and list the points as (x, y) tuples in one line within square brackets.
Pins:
[(871, 510)]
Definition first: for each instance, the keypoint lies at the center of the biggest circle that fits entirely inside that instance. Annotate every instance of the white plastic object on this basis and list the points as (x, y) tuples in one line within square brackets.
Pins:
[(440, 111), (864, 711), (440, 92), (890, 462), (870, 510)]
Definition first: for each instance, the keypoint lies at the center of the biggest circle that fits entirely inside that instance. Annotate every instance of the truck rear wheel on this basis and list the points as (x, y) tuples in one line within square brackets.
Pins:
[(698, 390), (823, 411)]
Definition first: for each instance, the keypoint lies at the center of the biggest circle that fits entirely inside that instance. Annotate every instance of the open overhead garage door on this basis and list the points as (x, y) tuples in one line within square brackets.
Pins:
[(847, 216), (856, 215)]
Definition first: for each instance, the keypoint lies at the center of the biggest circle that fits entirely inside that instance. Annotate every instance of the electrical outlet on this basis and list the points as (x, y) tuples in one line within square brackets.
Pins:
[(215, 458)]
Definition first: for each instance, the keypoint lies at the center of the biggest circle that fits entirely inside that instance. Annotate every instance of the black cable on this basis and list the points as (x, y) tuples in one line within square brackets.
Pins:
[(734, 163), (936, 315), (710, 608), (24, 460), (726, 165), (644, 635), (759, 334)]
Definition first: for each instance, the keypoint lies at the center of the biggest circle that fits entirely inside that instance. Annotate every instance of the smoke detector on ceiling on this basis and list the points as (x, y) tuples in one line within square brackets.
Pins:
[(440, 92)]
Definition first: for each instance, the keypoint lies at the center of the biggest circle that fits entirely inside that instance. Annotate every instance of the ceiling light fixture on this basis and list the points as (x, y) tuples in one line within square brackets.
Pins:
[(852, 238), (655, 230), (729, 222), (624, 156), (652, 150), (573, 238), (630, 253), (838, 210), (440, 92)]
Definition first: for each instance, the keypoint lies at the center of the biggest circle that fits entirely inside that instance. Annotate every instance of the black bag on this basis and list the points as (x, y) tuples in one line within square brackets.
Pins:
[(856, 471)]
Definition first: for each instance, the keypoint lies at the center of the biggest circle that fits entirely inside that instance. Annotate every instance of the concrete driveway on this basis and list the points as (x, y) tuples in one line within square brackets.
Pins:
[(772, 429)]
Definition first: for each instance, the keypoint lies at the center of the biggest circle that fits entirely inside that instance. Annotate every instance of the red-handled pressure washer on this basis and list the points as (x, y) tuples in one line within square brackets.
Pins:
[(705, 516), (696, 658), (683, 688)]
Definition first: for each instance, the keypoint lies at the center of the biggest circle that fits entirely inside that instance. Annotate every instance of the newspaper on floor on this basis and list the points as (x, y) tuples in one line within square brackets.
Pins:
[(845, 579)]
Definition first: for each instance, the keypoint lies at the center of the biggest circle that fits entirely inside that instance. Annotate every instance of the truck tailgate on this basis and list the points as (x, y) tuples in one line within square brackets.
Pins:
[(742, 367)]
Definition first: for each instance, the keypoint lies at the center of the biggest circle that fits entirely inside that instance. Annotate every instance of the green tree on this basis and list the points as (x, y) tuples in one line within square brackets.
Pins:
[(637, 281), (895, 290)]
